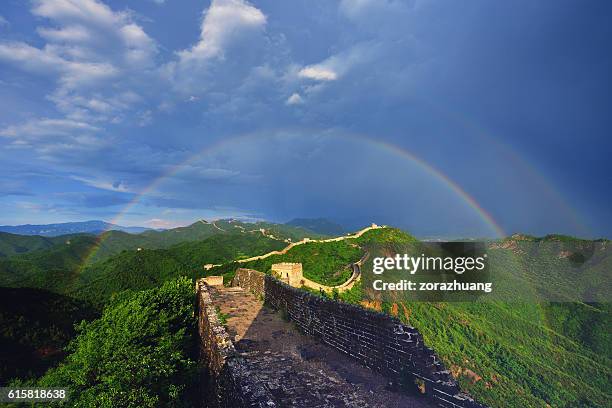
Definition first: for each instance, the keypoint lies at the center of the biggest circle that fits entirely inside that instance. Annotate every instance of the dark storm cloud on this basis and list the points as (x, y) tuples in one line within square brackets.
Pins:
[(466, 87)]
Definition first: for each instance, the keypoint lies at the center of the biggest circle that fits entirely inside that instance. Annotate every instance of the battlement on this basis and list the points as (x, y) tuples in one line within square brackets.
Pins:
[(289, 272)]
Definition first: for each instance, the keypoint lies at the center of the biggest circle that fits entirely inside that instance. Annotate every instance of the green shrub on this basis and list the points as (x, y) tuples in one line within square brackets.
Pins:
[(138, 354)]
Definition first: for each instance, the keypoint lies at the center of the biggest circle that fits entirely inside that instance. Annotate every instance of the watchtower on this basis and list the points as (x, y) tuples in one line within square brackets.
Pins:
[(289, 272)]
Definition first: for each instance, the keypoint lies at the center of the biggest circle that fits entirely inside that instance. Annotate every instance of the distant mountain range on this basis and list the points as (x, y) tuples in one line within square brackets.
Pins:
[(319, 225), (64, 228), (112, 241)]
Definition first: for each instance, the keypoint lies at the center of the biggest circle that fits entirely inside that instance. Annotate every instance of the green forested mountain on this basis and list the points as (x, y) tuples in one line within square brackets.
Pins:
[(148, 268), (51, 269), (37, 324), (35, 327), (63, 268), (112, 242), (505, 353), (140, 353), (324, 262), (13, 244)]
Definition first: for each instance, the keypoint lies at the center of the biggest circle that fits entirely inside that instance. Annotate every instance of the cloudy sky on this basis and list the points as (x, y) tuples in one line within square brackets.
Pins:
[(445, 118)]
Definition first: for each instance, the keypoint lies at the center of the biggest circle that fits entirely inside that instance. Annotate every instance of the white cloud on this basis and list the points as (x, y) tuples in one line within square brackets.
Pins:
[(116, 186), (353, 8), (95, 107), (294, 99), (72, 33), (46, 127), (3, 21), (223, 20), (67, 11), (88, 45), (100, 33), (36, 207), (71, 74), (337, 65), (225, 24), (30, 58), (100, 59), (49, 136), (318, 72), (363, 10)]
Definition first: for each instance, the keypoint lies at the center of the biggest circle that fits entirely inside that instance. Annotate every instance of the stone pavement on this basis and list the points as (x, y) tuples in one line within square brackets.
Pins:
[(297, 370)]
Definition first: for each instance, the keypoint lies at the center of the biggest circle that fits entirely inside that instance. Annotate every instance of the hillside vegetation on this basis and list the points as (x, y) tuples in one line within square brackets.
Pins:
[(148, 268), (524, 354), (51, 269), (323, 262), (13, 244), (113, 242), (62, 269), (506, 354), (35, 326), (140, 353)]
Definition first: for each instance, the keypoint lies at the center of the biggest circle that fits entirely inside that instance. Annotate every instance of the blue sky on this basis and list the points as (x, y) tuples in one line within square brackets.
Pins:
[(444, 118)]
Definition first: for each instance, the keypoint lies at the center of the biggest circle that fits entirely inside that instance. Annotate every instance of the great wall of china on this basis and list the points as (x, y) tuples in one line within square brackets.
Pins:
[(264, 343), (302, 242)]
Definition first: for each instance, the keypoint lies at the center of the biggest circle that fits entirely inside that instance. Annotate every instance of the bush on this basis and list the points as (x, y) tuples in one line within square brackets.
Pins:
[(138, 354)]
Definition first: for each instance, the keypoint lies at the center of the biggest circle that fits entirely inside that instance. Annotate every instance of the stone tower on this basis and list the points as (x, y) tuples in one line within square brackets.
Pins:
[(289, 272)]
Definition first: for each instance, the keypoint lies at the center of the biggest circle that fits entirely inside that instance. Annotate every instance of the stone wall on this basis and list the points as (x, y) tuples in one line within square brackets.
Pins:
[(251, 280), (289, 272), (213, 280), (376, 340), (226, 381)]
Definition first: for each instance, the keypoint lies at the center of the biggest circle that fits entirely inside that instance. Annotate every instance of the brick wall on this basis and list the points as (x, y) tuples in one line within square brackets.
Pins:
[(226, 382), (251, 280), (377, 340)]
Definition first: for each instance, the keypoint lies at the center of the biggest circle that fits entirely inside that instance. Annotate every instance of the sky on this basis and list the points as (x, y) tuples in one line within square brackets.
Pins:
[(443, 118)]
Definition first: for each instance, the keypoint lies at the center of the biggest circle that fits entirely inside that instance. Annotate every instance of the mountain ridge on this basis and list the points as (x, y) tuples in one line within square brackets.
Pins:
[(65, 228)]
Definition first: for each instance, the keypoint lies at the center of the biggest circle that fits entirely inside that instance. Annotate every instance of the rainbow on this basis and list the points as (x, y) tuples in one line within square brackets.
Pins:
[(518, 163), (391, 148)]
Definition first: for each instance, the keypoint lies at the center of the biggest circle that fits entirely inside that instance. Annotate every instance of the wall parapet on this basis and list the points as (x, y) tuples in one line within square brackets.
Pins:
[(226, 382), (378, 341), (250, 280)]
